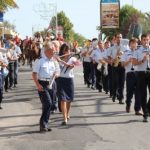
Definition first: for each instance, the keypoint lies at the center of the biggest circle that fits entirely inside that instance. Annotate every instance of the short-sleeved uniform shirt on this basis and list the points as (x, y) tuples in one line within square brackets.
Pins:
[(139, 55), (45, 67)]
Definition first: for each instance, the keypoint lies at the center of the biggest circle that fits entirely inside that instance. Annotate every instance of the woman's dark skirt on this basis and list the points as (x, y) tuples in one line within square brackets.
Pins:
[(65, 89)]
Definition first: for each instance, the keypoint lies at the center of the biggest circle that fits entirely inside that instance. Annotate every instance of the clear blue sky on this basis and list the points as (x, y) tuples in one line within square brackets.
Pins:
[(84, 14)]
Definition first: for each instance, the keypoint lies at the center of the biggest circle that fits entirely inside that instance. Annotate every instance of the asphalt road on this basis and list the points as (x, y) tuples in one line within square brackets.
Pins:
[(96, 122)]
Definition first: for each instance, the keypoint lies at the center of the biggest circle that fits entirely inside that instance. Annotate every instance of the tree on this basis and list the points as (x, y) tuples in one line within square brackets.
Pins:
[(145, 22), (8, 25), (63, 21), (130, 21), (68, 32), (79, 38), (5, 4)]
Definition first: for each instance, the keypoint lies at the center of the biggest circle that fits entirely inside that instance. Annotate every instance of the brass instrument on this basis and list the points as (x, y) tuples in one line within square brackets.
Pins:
[(117, 58)]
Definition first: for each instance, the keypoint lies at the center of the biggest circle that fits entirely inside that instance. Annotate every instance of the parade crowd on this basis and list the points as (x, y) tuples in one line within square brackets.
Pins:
[(107, 66)]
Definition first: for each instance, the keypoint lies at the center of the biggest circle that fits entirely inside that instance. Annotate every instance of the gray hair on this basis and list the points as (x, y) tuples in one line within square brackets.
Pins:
[(49, 45)]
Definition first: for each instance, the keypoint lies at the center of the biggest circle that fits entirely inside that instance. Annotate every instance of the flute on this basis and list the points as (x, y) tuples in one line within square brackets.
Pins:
[(72, 53)]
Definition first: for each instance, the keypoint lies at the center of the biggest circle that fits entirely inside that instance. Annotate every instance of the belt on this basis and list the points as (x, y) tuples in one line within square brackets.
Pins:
[(45, 79)]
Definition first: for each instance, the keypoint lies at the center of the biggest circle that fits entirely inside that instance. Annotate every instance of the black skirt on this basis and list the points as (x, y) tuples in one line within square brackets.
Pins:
[(65, 87)]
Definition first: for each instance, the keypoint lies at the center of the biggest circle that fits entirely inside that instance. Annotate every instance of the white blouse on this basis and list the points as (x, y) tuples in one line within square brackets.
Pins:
[(67, 72)]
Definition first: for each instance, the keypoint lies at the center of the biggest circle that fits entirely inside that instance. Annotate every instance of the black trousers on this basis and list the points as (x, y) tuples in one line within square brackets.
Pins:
[(98, 75), (46, 97), (11, 74), (93, 74), (118, 79), (131, 89), (143, 84), (105, 79), (110, 79), (87, 72)]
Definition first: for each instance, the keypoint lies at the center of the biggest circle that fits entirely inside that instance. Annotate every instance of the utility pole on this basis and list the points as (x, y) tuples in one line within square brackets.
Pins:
[(132, 3), (46, 11)]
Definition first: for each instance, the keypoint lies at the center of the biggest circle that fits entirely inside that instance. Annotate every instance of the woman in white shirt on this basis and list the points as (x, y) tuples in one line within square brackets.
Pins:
[(65, 81)]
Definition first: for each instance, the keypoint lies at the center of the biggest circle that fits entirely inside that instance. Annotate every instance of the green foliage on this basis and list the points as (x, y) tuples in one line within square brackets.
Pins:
[(145, 22), (68, 33), (129, 21), (79, 38), (5, 4), (8, 25), (66, 24)]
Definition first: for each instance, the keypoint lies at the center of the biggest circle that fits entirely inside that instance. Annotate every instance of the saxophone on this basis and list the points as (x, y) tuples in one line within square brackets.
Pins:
[(117, 58)]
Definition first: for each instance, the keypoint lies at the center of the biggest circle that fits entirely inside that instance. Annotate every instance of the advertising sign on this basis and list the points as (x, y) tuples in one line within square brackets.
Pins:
[(109, 13)]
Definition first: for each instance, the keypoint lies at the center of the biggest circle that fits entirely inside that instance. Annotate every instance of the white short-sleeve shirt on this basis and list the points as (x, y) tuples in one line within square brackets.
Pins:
[(139, 55), (45, 67), (67, 72), (125, 57)]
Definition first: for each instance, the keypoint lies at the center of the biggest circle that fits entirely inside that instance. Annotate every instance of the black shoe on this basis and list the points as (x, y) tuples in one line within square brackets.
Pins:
[(127, 109), (49, 129), (10, 88), (145, 119), (121, 102), (88, 85), (64, 123), (93, 88), (100, 90), (1, 107), (113, 99), (43, 130), (106, 92)]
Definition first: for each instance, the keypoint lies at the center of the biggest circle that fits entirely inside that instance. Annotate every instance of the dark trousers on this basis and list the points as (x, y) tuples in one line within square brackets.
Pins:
[(118, 79), (87, 72), (1, 86), (6, 83), (131, 89), (110, 79), (98, 75), (93, 74), (105, 79), (143, 83), (46, 97), (11, 74), (16, 72)]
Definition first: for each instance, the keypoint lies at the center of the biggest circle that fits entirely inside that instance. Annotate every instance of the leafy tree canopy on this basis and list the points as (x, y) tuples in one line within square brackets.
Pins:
[(5, 4)]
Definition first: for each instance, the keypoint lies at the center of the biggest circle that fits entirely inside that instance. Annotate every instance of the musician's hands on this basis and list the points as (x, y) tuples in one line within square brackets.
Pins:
[(71, 66), (146, 57), (130, 60), (40, 87), (57, 58)]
